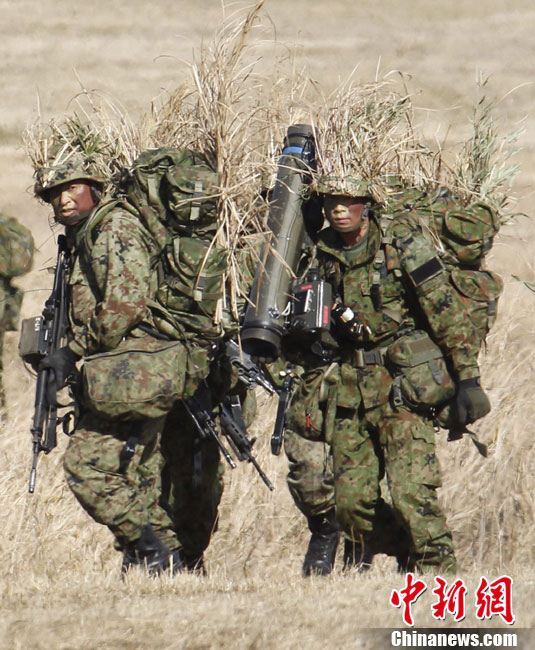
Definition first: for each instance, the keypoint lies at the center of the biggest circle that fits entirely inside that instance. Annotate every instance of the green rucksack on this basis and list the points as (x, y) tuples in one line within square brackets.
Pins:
[(462, 235), (16, 247), (176, 192), (16, 256)]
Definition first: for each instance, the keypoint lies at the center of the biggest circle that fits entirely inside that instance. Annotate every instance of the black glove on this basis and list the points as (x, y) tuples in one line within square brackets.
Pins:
[(62, 362), (471, 402)]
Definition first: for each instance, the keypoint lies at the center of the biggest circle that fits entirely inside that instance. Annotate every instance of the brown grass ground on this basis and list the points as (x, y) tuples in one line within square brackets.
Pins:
[(60, 584)]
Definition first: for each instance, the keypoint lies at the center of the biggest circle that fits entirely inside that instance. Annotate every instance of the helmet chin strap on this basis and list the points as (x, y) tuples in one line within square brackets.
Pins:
[(366, 212)]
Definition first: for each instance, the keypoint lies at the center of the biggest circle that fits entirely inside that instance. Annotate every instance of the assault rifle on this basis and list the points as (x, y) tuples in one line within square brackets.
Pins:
[(232, 427), (249, 373), (48, 331)]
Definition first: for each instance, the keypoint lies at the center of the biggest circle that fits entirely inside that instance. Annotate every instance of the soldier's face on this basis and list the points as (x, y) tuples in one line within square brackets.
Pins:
[(345, 212), (72, 202)]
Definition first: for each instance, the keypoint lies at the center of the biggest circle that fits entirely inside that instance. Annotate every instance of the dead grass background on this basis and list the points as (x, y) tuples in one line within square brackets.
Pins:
[(60, 583)]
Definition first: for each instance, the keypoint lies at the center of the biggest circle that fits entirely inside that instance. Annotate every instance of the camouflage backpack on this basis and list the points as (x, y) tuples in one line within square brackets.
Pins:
[(175, 192), (462, 235)]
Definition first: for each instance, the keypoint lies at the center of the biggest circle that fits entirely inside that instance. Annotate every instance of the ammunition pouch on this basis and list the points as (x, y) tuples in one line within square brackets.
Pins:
[(421, 377)]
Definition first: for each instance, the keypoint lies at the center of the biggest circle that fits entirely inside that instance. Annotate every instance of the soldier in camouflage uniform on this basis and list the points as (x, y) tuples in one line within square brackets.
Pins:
[(16, 255), (114, 467), (397, 289)]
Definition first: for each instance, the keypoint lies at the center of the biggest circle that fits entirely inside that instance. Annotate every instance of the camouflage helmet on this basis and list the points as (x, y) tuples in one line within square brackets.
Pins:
[(346, 186), (47, 178)]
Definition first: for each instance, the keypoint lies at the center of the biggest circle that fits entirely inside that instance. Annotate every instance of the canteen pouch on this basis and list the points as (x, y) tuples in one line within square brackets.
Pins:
[(140, 379), (421, 377)]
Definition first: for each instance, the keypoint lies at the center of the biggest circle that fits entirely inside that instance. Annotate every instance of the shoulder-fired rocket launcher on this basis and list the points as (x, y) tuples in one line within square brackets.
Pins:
[(264, 320)]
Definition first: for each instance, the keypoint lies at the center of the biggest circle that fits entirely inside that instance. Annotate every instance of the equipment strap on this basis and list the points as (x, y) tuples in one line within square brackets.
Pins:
[(362, 358)]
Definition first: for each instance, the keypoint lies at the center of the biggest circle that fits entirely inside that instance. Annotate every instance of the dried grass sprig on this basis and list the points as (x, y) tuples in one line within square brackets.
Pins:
[(483, 169), (365, 135), (98, 130)]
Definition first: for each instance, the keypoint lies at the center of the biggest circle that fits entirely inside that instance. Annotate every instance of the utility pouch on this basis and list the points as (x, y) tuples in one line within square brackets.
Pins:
[(193, 285), (140, 379), (469, 231), (421, 377)]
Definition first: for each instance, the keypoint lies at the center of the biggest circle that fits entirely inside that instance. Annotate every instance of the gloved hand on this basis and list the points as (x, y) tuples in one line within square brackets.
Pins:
[(471, 402), (62, 362)]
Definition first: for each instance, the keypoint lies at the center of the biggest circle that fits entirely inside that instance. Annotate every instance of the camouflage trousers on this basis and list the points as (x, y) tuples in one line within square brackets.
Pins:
[(113, 469), (192, 482), (128, 475), (310, 476), (400, 443), (311, 483)]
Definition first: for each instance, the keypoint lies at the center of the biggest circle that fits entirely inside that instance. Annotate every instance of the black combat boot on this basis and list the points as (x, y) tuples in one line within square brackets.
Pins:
[(357, 556), (321, 552), (194, 564), (405, 561), (150, 552)]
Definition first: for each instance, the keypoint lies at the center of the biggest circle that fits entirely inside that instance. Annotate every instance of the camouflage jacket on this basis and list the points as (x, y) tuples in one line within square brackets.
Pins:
[(109, 285), (395, 284)]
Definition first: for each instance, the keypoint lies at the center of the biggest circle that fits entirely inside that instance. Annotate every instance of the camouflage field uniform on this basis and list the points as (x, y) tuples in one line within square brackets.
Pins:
[(368, 434), (108, 298)]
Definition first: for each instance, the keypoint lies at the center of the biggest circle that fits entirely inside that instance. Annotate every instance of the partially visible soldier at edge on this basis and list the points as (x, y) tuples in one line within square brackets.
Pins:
[(396, 287), (16, 256), (114, 467)]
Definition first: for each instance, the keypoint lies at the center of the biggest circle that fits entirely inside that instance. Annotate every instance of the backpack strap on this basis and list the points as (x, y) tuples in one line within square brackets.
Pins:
[(378, 267), (93, 227)]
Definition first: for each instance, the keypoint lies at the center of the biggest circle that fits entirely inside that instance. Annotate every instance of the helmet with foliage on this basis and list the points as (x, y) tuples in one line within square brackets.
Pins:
[(46, 178), (346, 186)]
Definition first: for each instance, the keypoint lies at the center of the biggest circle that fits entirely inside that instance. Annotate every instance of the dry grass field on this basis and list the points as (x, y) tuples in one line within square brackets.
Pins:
[(60, 583)]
